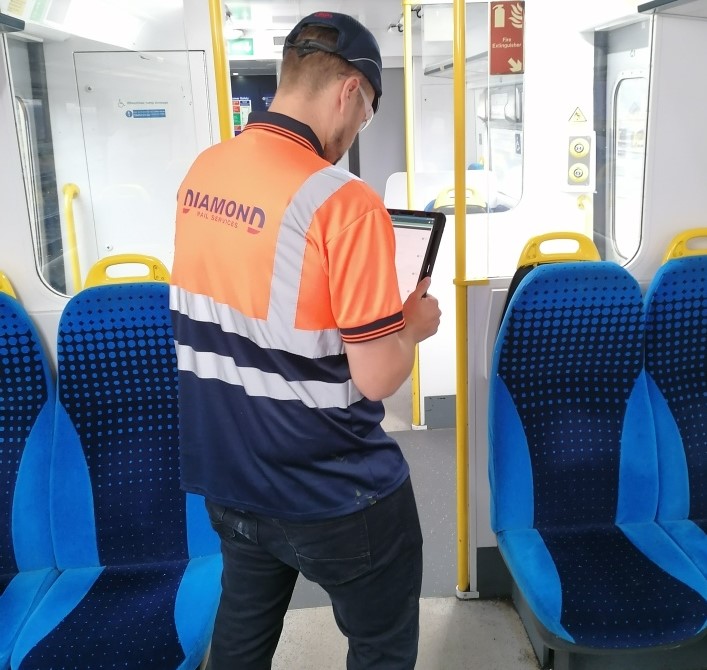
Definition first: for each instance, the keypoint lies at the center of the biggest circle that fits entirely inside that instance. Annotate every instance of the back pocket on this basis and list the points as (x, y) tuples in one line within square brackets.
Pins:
[(331, 552)]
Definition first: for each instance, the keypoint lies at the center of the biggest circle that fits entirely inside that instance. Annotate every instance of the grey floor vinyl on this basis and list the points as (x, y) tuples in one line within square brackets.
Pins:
[(431, 455)]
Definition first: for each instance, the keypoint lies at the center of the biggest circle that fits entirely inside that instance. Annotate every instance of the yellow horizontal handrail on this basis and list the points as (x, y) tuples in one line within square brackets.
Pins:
[(71, 192)]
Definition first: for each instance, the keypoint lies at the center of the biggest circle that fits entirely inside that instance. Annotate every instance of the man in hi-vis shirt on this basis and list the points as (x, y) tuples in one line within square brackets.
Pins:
[(290, 330)]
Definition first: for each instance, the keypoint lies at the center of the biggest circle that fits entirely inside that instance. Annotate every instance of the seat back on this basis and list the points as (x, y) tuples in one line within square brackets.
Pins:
[(26, 409), (568, 401), (676, 362), (534, 253), (117, 499)]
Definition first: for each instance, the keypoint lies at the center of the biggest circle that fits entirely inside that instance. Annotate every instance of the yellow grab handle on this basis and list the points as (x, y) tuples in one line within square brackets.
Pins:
[(678, 247), (98, 274), (71, 192), (6, 286), (446, 197), (532, 254)]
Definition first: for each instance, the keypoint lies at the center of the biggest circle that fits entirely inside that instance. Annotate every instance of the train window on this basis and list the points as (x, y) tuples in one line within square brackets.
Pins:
[(629, 149), (37, 155), (109, 115)]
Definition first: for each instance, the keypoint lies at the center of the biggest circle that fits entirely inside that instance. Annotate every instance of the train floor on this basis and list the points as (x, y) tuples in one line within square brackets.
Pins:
[(454, 635)]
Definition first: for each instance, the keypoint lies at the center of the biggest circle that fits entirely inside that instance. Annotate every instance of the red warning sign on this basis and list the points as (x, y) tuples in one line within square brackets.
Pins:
[(506, 38)]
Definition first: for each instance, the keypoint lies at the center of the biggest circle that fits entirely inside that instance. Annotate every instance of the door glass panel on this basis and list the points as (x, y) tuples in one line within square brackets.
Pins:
[(630, 119)]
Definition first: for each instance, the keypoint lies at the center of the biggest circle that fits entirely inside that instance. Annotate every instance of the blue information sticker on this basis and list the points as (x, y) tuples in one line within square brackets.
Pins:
[(149, 113)]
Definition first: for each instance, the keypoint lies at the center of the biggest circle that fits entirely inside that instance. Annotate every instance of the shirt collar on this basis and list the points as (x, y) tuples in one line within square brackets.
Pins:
[(293, 128)]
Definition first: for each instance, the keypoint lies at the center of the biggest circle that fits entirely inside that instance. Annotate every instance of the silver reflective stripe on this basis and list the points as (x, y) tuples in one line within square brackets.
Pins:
[(292, 242), (309, 343), (256, 383)]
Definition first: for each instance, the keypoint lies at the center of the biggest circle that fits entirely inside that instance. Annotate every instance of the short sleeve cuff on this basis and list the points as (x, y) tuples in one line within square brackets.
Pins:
[(375, 330)]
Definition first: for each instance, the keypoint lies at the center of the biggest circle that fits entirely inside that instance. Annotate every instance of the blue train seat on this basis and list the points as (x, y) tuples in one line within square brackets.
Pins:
[(26, 417), (676, 363), (573, 467), (140, 564)]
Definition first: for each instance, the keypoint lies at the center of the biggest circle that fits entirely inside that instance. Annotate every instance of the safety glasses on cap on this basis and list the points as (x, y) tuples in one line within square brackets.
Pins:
[(368, 106)]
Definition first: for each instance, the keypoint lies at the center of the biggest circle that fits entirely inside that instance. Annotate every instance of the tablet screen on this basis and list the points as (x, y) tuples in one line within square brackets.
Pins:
[(415, 245)]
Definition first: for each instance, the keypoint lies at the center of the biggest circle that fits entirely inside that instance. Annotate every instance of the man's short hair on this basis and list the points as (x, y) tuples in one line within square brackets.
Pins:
[(311, 68)]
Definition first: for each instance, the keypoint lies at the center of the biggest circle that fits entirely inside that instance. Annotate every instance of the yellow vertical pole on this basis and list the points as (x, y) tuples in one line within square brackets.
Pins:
[(410, 170), (71, 192), (462, 408), (223, 86)]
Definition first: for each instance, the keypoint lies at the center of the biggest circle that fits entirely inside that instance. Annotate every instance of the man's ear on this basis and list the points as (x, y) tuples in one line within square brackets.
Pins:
[(348, 90)]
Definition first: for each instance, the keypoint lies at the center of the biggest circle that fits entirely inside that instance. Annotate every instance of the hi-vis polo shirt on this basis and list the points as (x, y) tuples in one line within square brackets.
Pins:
[(280, 258)]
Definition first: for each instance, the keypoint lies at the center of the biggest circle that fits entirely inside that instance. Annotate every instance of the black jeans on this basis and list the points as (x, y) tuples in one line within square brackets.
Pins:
[(370, 564)]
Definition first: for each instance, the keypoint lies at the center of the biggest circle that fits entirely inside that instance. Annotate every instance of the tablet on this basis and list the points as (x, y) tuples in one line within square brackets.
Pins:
[(417, 238)]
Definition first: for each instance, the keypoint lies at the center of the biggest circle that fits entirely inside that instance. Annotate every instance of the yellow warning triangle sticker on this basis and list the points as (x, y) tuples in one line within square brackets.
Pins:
[(578, 116)]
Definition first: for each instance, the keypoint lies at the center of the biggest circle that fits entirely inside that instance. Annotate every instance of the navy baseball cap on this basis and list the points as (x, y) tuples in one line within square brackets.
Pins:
[(355, 44)]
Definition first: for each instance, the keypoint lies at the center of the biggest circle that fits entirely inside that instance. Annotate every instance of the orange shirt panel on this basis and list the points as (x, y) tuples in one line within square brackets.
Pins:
[(230, 208)]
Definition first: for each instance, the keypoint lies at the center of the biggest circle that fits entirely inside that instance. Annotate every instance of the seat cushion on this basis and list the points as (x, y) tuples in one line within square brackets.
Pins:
[(123, 616), (596, 587)]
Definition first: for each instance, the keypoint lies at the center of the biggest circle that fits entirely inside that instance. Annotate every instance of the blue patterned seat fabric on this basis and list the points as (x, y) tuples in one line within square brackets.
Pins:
[(26, 408), (572, 466), (676, 362), (141, 567)]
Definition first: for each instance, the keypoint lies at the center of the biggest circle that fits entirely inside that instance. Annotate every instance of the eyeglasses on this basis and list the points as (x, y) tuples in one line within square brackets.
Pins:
[(368, 105)]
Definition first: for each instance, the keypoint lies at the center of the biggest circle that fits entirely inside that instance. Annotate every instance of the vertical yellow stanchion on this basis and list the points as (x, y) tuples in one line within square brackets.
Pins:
[(410, 169), (223, 87), (71, 192), (462, 408)]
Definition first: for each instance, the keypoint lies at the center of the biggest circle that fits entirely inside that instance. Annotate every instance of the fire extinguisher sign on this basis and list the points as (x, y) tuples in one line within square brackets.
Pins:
[(506, 38)]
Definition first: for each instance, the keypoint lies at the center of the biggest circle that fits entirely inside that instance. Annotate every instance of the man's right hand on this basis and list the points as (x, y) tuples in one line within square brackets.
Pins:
[(422, 313)]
